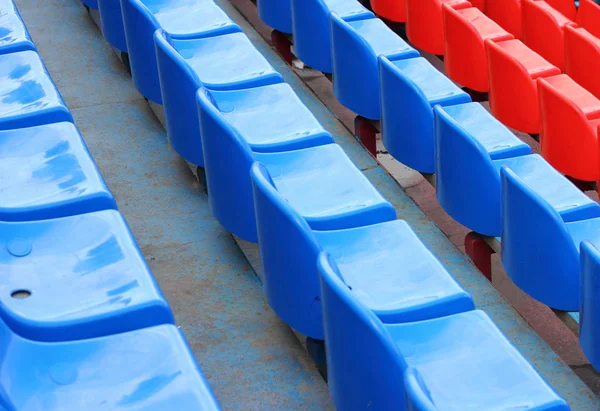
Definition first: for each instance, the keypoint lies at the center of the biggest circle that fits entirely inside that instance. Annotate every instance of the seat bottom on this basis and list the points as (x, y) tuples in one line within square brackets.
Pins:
[(456, 359), (326, 188), (390, 271)]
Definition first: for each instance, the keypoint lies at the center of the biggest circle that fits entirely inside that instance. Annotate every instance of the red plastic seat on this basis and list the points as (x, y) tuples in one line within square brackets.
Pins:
[(582, 58), (570, 116), (588, 16), (424, 23), (394, 10), (507, 13), (565, 7), (466, 31), (513, 68), (543, 30)]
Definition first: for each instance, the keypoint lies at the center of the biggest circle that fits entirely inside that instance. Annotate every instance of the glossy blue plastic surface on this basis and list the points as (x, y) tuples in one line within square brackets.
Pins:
[(47, 172), (14, 36), (228, 182), (111, 19), (149, 369), (589, 314), (311, 24), (398, 290), (409, 90), (86, 276), (276, 14), (226, 62), (540, 253), (472, 146), (448, 363), (179, 18), (92, 4), (356, 45), (28, 96)]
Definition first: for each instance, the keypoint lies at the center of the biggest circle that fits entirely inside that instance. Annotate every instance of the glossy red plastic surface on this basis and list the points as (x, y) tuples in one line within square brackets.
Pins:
[(507, 13), (582, 58), (466, 31), (513, 68), (424, 23), (570, 116), (394, 10), (588, 16)]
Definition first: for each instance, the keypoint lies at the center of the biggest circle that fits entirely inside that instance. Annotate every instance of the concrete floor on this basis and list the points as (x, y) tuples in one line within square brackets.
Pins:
[(252, 360)]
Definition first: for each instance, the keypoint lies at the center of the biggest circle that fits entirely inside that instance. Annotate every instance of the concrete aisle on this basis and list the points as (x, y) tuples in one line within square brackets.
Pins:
[(251, 359)]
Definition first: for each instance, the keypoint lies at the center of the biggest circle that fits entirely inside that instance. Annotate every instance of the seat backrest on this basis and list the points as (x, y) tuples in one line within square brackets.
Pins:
[(364, 364), (582, 58), (565, 7), (407, 118), (589, 313), (507, 13), (538, 253), (394, 10), (588, 16), (459, 154), (179, 84), (566, 136), (227, 180), (288, 250)]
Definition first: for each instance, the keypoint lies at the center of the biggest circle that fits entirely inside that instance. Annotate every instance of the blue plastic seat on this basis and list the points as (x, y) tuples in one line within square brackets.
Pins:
[(227, 62), (457, 362), (540, 251), (409, 90), (180, 18), (47, 172), (111, 19), (85, 277), (356, 46), (589, 313), (386, 265), (276, 14), (472, 146), (28, 96), (311, 24), (14, 36), (150, 369), (317, 176)]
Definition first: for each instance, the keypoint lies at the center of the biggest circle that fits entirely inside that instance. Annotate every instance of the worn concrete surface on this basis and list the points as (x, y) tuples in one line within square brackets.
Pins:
[(252, 360)]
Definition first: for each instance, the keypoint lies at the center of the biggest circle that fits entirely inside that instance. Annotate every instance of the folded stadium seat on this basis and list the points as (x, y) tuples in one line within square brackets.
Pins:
[(386, 265), (92, 262), (409, 90), (471, 147), (47, 172), (588, 16), (111, 19), (582, 58), (570, 116), (92, 4), (507, 13), (393, 10), (180, 18), (457, 362), (226, 62), (540, 252), (513, 69), (565, 7), (425, 25), (28, 96), (543, 31), (356, 46), (465, 59), (312, 27), (150, 369), (276, 14), (14, 36), (321, 182), (589, 332)]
